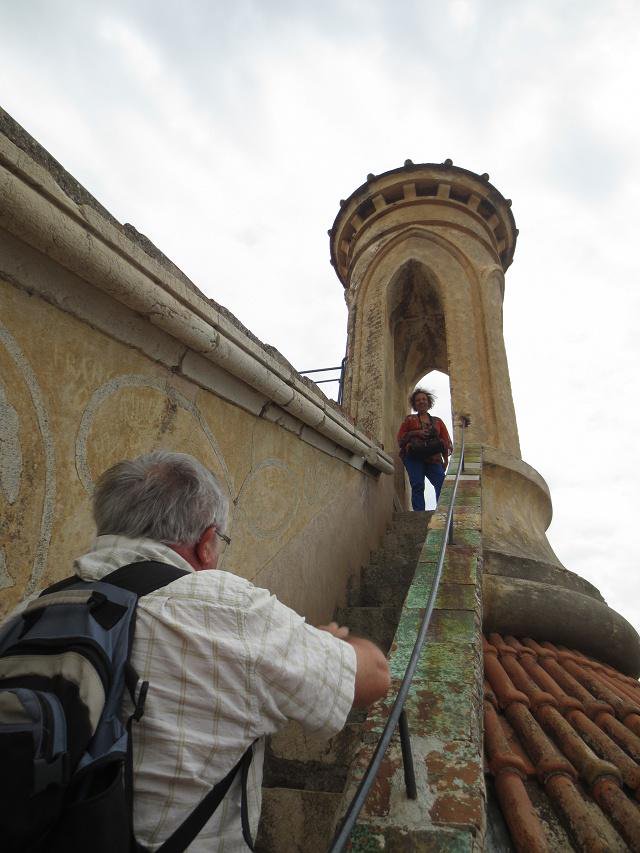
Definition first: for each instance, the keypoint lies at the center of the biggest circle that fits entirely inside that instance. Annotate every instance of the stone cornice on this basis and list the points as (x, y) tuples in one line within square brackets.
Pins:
[(417, 185), (35, 209)]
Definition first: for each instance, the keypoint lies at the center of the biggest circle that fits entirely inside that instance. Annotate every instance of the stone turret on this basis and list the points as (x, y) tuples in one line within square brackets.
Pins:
[(421, 252)]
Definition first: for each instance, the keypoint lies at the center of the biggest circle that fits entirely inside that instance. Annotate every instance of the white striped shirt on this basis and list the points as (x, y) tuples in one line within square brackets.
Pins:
[(227, 663)]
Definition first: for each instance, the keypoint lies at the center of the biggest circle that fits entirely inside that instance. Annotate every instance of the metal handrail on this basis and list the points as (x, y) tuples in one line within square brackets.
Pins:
[(398, 715), (341, 367), (318, 370)]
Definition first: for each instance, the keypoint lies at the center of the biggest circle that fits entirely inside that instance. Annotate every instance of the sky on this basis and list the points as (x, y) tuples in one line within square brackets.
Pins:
[(228, 132)]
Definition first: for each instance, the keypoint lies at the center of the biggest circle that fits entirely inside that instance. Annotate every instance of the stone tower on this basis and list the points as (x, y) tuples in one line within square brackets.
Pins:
[(421, 252)]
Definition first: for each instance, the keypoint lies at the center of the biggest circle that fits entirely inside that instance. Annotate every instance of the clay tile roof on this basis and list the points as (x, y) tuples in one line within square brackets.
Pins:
[(562, 746)]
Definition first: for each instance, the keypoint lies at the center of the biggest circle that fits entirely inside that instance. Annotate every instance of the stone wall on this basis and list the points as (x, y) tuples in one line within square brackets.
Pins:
[(107, 351)]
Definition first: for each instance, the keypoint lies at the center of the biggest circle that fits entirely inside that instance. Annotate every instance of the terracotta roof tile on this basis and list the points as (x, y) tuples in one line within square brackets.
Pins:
[(620, 734), (632, 721), (546, 682), (500, 682), (516, 746), (587, 826), (606, 748), (598, 688), (569, 726), (540, 651), (524, 682), (622, 687), (592, 706)]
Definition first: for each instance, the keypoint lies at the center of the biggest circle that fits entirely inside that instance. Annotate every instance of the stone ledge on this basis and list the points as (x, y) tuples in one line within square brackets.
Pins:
[(81, 239)]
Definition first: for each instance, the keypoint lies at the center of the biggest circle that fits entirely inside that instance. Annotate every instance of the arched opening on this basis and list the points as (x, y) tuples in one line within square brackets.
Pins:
[(417, 347), (438, 383)]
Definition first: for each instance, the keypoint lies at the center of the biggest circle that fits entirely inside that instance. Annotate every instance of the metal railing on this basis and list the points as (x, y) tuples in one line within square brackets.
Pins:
[(398, 715), (341, 367)]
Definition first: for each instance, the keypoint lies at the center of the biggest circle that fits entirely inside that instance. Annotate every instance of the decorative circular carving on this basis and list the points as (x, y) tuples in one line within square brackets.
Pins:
[(269, 498), (22, 478), (134, 414)]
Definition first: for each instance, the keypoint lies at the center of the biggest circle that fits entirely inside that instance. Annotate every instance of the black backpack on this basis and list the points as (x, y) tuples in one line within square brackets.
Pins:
[(425, 448), (66, 778)]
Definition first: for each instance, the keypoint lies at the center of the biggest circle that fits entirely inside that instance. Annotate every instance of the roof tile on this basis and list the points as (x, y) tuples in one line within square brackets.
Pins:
[(620, 734), (500, 682), (570, 726)]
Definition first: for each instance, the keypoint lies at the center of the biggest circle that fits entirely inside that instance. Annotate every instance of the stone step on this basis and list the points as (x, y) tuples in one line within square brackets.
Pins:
[(413, 529), (395, 552), (411, 520), (375, 623), (383, 560), (296, 821), (383, 586), (297, 759), (401, 539), (385, 580), (379, 571)]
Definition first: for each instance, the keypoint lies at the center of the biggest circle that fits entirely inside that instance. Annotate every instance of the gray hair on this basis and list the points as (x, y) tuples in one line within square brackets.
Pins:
[(166, 496)]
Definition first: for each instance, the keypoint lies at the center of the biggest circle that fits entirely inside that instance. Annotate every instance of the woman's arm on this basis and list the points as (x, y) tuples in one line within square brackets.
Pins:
[(404, 432), (444, 435)]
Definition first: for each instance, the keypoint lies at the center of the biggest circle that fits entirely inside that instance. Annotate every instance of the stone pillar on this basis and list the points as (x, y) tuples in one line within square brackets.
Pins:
[(421, 252)]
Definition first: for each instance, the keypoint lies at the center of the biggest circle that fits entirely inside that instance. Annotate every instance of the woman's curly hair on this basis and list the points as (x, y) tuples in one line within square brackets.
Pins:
[(431, 397)]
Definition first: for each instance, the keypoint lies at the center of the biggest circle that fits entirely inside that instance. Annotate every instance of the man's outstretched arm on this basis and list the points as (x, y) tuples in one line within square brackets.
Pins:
[(372, 670)]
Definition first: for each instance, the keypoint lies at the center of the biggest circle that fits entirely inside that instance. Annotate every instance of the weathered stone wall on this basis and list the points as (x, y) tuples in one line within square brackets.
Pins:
[(107, 351)]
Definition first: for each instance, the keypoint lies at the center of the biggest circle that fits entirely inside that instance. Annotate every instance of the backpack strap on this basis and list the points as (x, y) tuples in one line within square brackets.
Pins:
[(140, 578), (244, 804), (144, 577), (60, 585), (182, 837)]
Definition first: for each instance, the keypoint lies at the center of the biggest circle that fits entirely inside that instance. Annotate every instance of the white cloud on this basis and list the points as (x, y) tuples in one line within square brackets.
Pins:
[(463, 13), (228, 135), (136, 53)]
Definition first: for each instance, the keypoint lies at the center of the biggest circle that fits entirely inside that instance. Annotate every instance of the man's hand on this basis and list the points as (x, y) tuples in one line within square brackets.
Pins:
[(372, 670), (339, 631)]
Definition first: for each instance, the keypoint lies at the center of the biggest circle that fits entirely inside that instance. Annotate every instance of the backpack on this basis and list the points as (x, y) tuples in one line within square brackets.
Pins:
[(67, 773)]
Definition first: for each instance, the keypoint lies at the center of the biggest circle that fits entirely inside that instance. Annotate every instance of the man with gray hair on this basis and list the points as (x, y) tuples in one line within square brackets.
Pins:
[(227, 663)]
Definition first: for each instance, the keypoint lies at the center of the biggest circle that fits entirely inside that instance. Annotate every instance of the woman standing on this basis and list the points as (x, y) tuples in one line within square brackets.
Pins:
[(420, 452)]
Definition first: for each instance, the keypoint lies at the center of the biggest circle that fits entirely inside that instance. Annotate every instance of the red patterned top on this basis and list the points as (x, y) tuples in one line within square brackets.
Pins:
[(412, 422)]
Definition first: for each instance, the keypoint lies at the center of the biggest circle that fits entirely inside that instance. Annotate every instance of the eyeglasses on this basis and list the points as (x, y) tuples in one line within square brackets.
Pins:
[(224, 537)]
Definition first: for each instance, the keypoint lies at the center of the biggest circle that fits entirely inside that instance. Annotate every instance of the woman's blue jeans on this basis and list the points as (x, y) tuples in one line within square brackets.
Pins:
[(418, 470)]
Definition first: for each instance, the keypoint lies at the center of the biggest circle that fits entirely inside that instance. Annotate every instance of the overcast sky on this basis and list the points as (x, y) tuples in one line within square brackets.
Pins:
[(228, 132)]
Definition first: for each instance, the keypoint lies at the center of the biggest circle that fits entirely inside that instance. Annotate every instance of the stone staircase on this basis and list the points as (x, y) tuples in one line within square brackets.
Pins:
[(304, 777)]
